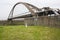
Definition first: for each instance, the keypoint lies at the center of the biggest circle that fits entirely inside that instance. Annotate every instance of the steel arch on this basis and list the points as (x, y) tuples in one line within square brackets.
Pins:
[(28, 6)]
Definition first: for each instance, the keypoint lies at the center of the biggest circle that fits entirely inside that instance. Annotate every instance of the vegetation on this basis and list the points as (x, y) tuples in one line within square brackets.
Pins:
[(29, 33)]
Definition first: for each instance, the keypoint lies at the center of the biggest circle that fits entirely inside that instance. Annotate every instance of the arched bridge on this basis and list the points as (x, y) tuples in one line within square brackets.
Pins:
[(30, 7), (33, 10)]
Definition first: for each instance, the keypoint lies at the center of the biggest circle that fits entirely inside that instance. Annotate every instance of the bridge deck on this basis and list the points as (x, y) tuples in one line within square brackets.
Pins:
[(42, 13), (24, 16)]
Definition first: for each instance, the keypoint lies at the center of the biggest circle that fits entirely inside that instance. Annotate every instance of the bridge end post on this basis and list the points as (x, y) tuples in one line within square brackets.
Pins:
[(10, 21)]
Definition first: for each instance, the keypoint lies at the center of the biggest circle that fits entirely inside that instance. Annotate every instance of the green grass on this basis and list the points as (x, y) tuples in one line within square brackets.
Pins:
[(29, 33)]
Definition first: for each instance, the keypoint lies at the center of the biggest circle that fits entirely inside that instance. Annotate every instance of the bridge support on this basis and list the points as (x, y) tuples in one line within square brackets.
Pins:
[(10, 21), (25, 23)]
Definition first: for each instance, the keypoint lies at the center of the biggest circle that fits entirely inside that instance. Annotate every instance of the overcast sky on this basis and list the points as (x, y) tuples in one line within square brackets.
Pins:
[(6, 6)]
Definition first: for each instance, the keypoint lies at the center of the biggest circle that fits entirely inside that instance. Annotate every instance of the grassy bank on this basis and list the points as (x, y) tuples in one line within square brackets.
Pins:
[(29, 33)]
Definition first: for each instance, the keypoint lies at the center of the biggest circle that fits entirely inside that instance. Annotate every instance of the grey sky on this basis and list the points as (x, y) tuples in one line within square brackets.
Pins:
[(6, 6)]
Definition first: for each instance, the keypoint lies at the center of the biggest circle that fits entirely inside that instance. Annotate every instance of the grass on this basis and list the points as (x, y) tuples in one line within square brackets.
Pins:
[(29, 33)]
